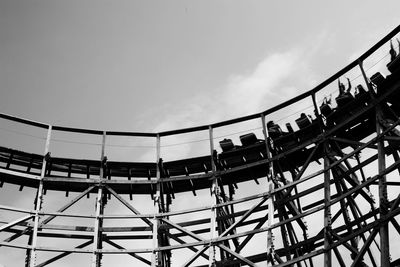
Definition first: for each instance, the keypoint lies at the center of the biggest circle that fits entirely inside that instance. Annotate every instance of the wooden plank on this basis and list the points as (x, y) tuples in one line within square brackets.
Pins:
[(213, 196), (39, 201), (131, 254), (240, 257), (62, 255), (126, 204), (155, 256), (384, 229), (327, 209), (364, 249), (15, 222)]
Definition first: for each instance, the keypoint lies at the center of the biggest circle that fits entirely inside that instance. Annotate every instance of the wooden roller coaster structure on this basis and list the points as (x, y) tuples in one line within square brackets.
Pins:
[(315, 171)]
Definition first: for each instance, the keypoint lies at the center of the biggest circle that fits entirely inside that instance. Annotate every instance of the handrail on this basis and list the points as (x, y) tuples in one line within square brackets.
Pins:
[(221, 123)]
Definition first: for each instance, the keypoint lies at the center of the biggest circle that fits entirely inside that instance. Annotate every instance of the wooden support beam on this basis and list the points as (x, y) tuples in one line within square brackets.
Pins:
[(195, 256), (182, 229), (134, 255), (352, 142), (63, 254), (356, 214), (248, 237), (327, 210), (214, 193), (39, 201), (156, 255), (126, 204), (240, 257), (351, 248), (15, 222), (270, 188), (383, 200), (344, 211), (245, 216), (365, 247), (50, 218), (98, 224), (177, 239)]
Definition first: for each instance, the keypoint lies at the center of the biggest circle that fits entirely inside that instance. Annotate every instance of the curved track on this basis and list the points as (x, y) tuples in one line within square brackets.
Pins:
[(338, 172)]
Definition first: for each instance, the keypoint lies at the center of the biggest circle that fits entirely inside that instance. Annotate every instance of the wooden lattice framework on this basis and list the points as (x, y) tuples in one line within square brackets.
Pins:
[(357, 148)]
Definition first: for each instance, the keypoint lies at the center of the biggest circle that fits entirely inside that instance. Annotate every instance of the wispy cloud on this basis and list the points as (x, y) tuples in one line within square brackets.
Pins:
[(276, 78), (268, 84)]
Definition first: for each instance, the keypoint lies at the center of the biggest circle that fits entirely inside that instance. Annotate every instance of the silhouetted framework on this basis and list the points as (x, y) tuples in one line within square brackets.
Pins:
[(341, 165)]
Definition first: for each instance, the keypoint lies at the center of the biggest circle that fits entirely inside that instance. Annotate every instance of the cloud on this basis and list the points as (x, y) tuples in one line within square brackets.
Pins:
[(261, 88), (276, 78)]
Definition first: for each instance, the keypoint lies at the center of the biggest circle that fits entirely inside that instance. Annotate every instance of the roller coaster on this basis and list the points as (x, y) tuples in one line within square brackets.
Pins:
[(323, 192)]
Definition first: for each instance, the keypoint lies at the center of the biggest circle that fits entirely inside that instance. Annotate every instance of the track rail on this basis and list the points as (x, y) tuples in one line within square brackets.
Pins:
[(316, 171)]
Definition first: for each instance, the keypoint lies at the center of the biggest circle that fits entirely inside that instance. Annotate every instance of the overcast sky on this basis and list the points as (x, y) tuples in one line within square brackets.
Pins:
[(159, 65)]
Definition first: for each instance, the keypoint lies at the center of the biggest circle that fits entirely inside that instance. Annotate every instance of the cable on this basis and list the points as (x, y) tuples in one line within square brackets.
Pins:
[(74, 142), (21, 133), (193, 141)]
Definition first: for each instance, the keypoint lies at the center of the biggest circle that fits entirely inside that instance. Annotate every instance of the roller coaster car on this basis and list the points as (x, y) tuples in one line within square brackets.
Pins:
[(253, 149), (285, 141), (248, 139), (344, 99), (383, 84), (274, 130), (378, 79), (326, 108), (394, 64), (349, 107), (226, 145), (307, 128)]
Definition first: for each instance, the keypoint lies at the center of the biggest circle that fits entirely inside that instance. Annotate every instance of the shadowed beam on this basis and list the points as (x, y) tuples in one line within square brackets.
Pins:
[(177, 239), (48, 219), (129, 206), (131, 254), (240, 257), (62, 255), (365, 247), (11, 224)]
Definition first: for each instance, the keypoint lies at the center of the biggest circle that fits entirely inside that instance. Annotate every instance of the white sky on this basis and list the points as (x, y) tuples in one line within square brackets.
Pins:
[(149, 66), (162, 65)]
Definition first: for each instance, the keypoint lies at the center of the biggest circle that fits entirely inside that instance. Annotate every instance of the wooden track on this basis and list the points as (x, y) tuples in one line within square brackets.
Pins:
[(339, 190)]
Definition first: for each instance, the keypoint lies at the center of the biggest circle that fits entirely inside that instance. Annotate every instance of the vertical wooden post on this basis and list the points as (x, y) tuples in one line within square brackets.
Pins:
[(383, 200), (155, 258), (327, 210), (383, 207), (39, 200), (96, 255), (214, 188), (270, 187)]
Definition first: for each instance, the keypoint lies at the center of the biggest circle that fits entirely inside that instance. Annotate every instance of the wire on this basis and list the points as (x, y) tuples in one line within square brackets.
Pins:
[(239, 132), (192, 141), (130, 146), (74, 142), (21, 133)]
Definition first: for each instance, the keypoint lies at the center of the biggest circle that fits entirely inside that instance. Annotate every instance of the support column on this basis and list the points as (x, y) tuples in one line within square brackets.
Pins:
[(155, 257), (383, 200), (270, 201), (214, 188), (39, 200), (327, 210), (97, 240)]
